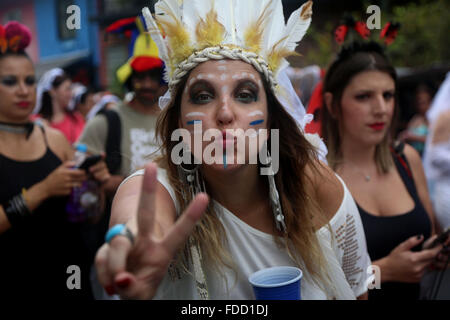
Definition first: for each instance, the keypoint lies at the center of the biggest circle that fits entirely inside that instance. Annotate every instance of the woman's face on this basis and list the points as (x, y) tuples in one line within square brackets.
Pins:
[(220, 97), (423, 101), (62, 94), (17, 88), (89, 102), (367, 106)]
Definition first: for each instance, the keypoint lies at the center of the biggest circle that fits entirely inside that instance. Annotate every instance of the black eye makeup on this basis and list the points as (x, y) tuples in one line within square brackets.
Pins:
[(8, 80), (362, 96), (246, 91), (13, 80), (30, 80), (201, 92), (388, 95)]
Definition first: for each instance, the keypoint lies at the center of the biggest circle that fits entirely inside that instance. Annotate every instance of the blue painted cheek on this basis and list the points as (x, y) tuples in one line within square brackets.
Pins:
[(256, 122), (194, 122)]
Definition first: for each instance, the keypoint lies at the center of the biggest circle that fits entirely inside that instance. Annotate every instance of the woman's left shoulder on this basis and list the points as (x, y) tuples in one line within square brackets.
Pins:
[(59, 143), (413, 157), (329, 190)]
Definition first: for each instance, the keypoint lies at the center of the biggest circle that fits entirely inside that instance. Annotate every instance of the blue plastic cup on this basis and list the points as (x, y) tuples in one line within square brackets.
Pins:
[(277, 283)]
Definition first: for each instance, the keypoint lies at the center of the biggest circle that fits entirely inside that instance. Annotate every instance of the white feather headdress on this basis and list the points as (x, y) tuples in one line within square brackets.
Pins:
[(185, 28), (189, 32)]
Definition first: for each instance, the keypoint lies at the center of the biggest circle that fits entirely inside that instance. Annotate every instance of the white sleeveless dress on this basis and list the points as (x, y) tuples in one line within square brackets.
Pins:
[(251, 250)]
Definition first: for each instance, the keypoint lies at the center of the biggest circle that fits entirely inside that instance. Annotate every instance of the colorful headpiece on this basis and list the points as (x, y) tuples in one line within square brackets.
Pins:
[(14, 37), (143, 52), (387, 34), (253, 31)]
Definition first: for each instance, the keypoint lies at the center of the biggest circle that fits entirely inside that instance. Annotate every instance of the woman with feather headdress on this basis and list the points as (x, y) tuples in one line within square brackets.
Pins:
[(196, 229)]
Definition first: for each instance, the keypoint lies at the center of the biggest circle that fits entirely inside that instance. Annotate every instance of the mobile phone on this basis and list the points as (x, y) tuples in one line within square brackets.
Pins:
[(439, 239), (90, 161)]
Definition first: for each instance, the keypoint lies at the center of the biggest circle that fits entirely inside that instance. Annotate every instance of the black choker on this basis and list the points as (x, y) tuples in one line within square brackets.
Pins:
[(17, 127)]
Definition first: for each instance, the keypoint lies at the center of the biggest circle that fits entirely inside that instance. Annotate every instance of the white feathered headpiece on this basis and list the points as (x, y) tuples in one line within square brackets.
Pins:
[(190, 32)]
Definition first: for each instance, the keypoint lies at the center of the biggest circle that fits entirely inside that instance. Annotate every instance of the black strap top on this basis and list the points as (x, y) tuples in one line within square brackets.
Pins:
[(34, 256), (383, 234)]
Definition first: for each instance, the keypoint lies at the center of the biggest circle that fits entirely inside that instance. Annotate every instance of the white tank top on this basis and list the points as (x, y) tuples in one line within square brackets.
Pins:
[(252, 250)]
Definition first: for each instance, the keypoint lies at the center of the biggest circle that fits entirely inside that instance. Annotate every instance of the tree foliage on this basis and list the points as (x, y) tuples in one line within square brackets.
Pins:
[(423, 38)]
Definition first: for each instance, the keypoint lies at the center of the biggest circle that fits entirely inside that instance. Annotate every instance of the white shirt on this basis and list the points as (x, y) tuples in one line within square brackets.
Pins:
[(252, 250)]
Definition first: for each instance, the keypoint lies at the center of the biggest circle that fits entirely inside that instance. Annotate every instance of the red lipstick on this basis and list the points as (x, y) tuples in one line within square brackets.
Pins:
[(23, 104), (377, 126)]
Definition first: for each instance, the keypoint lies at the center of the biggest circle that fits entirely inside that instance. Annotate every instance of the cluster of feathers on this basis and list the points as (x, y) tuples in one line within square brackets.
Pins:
[(14, 37), (180, 28)]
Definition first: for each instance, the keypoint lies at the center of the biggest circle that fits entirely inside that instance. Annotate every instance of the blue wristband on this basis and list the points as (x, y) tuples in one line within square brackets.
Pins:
[(119, 230)]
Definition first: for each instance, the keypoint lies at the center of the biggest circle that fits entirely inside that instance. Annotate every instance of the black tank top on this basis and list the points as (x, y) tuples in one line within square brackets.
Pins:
[(35, 255), (383, 234)]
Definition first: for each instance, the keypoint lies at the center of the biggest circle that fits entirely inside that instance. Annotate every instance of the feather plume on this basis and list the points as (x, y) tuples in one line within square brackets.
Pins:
[(168, 16), (296, 27), (251, 21), (155, 34), (209, 31), (190, 15), (275, 28), (276, 57), (227, 17), (168, 11)]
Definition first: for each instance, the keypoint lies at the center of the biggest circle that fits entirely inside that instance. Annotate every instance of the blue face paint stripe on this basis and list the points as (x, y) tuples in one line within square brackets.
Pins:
[(194, 122), (254, 123)]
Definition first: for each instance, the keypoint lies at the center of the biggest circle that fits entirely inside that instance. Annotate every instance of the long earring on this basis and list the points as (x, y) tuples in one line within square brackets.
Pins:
[(192, 178), (275, 197)]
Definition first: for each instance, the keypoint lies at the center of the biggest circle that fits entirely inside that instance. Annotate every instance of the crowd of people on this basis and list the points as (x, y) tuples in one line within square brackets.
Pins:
[(196, 229)]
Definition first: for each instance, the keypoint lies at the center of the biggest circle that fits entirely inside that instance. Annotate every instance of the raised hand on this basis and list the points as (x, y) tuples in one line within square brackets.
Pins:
[(135, 271)]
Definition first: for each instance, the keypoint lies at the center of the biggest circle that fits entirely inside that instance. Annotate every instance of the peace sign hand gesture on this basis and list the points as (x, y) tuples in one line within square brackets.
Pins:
[(135, 271)]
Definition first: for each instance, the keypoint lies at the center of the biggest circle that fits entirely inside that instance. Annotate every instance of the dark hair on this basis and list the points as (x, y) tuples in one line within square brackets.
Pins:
[(353, 59), (21, 53), (84, 96), (46, 101)]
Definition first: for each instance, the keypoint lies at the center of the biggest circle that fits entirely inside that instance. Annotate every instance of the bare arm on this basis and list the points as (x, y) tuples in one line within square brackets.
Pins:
[(421, 183), (441, 130), (59, 144), (126, 201), (136, 270), (328, 191), (59, 182)]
